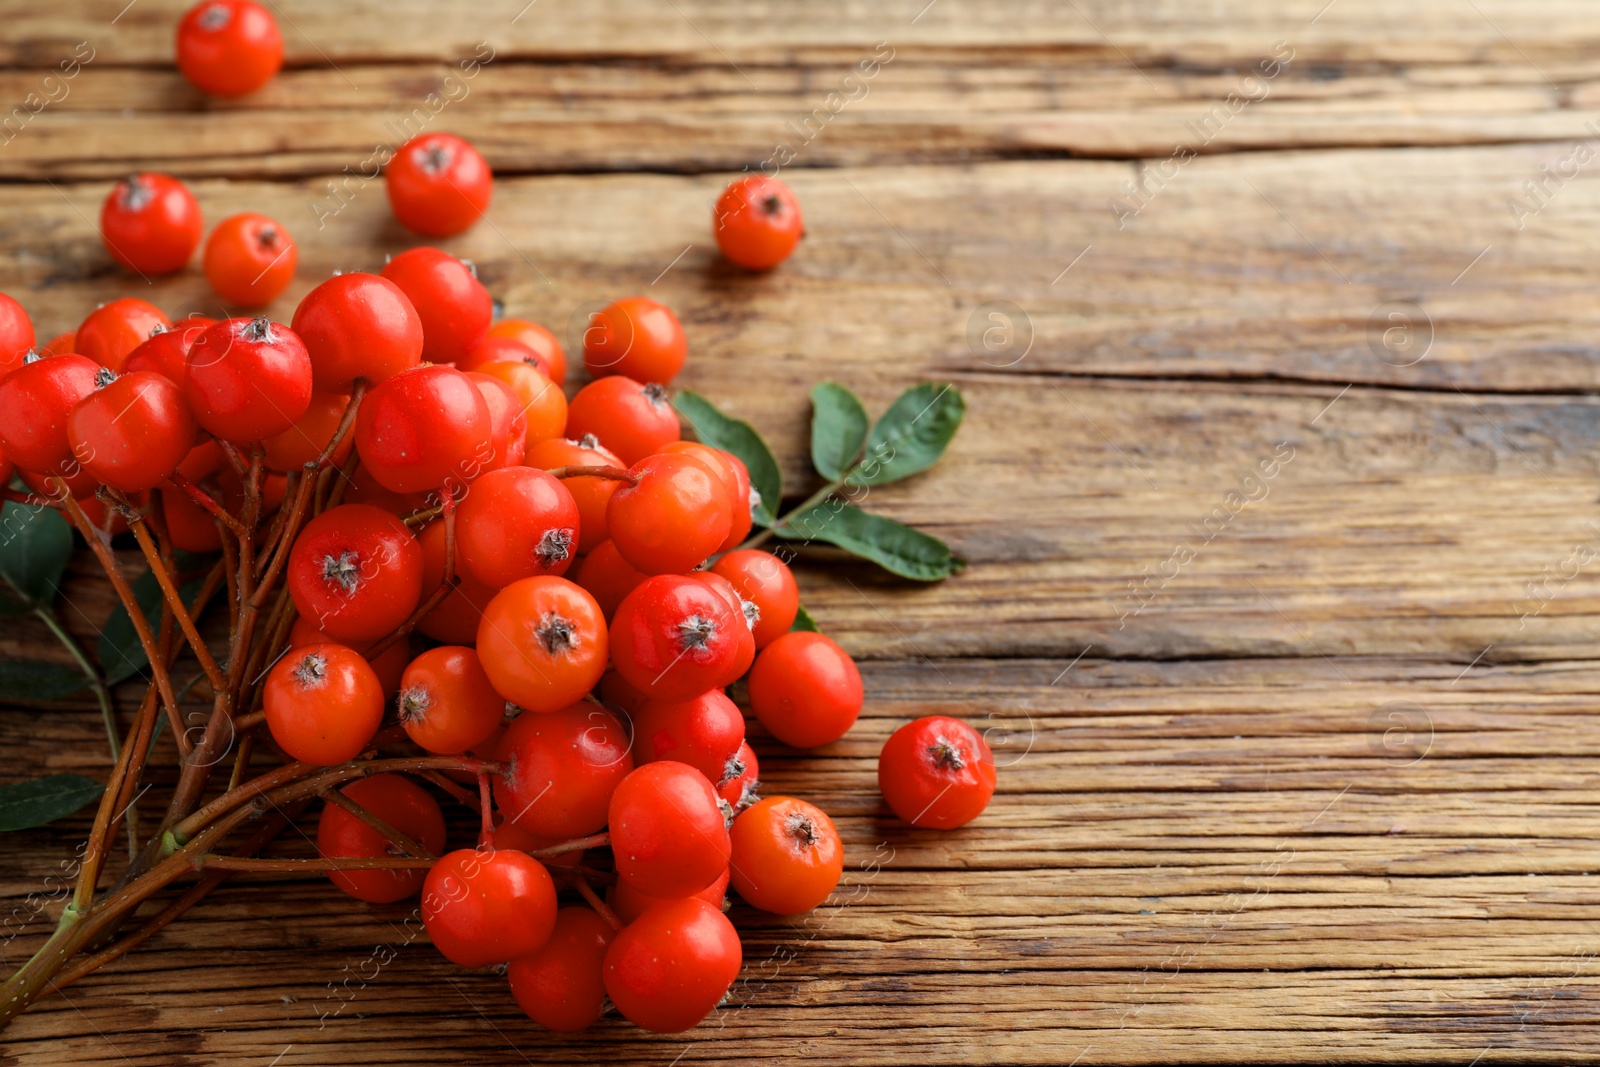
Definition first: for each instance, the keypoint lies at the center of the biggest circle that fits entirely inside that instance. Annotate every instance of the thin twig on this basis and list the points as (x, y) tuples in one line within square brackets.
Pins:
[(595, 902), (447, 582), (396, 837), (205, 500), (141, 625)]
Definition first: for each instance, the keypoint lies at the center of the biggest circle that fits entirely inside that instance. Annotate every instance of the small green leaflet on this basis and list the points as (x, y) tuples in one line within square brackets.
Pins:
[(739, 437), (891, 545), (804, 621), (912, 434), (838, 429), (35, 544), (43, 800)]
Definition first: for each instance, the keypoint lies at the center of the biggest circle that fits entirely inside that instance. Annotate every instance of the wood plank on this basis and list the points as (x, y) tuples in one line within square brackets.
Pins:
[(546, 117), (1162, 32), (1389, 532), (1116, 896)]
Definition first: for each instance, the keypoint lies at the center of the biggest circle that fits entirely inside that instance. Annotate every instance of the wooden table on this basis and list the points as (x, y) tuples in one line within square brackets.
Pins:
[(1295, 767)]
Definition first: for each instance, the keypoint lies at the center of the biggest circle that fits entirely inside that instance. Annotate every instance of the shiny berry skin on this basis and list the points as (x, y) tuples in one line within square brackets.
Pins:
[(517, 523), (667, 832), (355, 572), (608, 577), (668, 969), (248, 379), (425, 429), (112, 331), (636, 337), (190, 527), (59, 345), (765, 581), (542, 341), (741, 777), (746, 653), (402, 804), (438, 184), (787, 857), (629, 903), (132, 431), (674, 515), (250, 259), (508, 426), (390, 665), (735, 477), (358, 326), (805, 689), (165, 353), (453, 305), (16, 334), (81, 486), (590, 494), (446, 702), (492, 349), (323, 704), (485, 907), (543, 643), (562, 767), (455, 619), (36, 401), (674, 638), (229, 47), (303, 442), (544, 405), (151, 224), (936, 772), (559, 985), (630, 419), (704, 731), (757, 222)]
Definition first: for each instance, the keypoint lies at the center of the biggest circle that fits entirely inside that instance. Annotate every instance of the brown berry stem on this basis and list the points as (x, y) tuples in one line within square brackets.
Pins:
[(601, 907), (212, 862), (616, 474), (577, 844), (169, 591), (447, 581), (205, 500), (141, 625), (398, 839), (485, 813)]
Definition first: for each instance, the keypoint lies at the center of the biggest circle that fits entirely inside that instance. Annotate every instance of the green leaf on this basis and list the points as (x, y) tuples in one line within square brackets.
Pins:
[(804, 621), (121, 654), (912, 434), (739, 437), (45, 800), (34, 546), (29, 680), (838, 429), (891, 545)]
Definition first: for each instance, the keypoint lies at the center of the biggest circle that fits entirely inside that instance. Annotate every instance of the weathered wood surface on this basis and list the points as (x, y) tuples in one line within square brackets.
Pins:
[(1328, 794)]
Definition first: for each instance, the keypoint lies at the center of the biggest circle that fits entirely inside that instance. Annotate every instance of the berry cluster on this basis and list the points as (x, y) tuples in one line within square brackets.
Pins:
[(440, 569)]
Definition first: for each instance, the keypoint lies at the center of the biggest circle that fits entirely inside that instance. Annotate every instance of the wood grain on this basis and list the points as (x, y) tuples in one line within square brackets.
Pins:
[(1118, 896), (1321, 788)]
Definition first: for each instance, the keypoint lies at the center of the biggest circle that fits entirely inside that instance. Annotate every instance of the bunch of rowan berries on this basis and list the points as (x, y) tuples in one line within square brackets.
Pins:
[(577, 568)]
